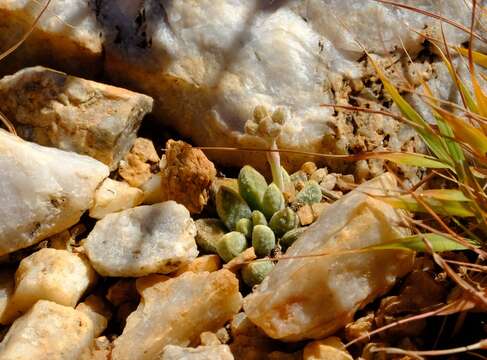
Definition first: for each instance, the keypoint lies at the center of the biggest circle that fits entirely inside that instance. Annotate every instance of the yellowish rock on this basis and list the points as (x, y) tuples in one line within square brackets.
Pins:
[(214, 352), (113, 196), (7, 285), (203, 263), (98, 311), (313, 297), (49, 331), (136, 167), (176, 311), (327, 349), (50, 274)]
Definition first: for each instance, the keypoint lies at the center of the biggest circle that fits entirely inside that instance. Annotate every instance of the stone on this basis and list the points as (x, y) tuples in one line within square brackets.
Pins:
[(203, 263), (98, 311), (209, 232), (147, 239), (44, 191), (327, 349), (7, 285), (187, 175), (214, 352), (49, 331), (176, 311), (137, 166), (54, 109), (122, 291), (66, 37), (113, 196), (289, 303), (49, 274)]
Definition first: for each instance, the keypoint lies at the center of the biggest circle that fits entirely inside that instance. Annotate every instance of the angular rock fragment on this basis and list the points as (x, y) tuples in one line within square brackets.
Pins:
[(187, 175), (215, 352), (49, 331), (327, 349), (175, 312), (98, 311), (67, 36), (290, 303), (54, 109), (147, 239), (50, 274), (113, 196), (44, 190), (137, 166), (7, 284)]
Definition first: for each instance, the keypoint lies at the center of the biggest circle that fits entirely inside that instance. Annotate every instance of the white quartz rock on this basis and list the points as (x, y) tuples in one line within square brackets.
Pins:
[(49, 331), (215, 352), (43, 190), (50, 274), (98, 311), (113, 196), (312, 297), (222, 58), (176, 311), (147, 239)]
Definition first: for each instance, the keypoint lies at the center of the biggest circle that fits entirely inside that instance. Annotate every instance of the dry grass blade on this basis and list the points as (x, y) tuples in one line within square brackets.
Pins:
[(7, 123)]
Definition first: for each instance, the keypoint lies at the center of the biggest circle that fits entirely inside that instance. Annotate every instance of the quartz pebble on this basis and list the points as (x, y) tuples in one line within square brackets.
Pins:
[(113, 196), (48, 331), (289, 303), (44, 190), (54, 109), (50, 274), (176, 311), (213, 352), (143, 240)]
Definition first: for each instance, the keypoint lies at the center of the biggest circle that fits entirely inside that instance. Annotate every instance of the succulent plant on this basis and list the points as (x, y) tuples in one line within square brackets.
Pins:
[(230, 245), (209, 232), (258, 218), (290, 237), (283, 221), (273, 201), (231, 207), (255, 272), (310, 194), (263, 240), (244, 226), (251, 186)]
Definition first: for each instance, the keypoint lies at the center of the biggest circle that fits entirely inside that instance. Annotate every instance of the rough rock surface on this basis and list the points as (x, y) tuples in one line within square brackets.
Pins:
[(53, 109), (186, 176), (289, 304), (209, 64), (48, 332), (147, 239), (136, 167), (68, 34), (50, 274), (113, 196), (215, 352), (176, 311), (44, 190)]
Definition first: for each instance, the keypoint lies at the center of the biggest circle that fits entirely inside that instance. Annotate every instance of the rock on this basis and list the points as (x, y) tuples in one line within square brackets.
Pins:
[(289, 303), (176, 311), (136, 167), (49, 274), (99, 351), (327, 349), (67, 36), (49, 331), (203, 263), (214, 352), (7, 284), (122, 291), (147, 239), (44, 190), (288, 55), (54, 109), (209, 232), (187, 175), (98, 311), (113, 196)]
